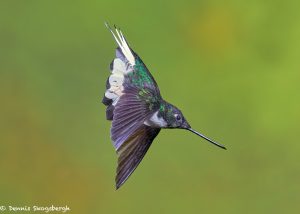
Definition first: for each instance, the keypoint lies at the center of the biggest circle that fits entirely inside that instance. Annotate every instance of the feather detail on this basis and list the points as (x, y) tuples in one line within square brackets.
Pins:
[(132, 97), (120, 66), (129, 114), (132, 152), (121, 41)]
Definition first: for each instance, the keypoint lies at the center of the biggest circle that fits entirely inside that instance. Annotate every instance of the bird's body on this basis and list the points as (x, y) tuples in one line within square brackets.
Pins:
[(136, 109)]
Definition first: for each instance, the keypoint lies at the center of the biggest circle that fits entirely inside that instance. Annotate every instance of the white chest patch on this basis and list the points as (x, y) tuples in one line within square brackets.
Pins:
[(155, 121)]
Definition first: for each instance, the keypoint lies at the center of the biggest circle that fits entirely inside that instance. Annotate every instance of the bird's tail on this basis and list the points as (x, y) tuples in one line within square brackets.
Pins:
[(120, 66)]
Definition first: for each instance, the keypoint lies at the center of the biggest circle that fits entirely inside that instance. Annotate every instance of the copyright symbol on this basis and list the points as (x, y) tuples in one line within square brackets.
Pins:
[(2, 208)]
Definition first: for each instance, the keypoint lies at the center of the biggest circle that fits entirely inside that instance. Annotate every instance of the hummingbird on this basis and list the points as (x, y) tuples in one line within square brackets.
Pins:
[(136, 108)]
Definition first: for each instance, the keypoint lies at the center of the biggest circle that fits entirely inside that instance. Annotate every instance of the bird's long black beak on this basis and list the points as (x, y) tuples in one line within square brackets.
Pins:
[(206, 138)]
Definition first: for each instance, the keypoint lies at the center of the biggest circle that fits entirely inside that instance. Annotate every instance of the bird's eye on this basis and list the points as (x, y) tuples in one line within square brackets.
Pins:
[(177, 117)]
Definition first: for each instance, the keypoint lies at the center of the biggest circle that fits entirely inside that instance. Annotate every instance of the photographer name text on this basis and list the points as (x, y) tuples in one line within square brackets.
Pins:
[(45, 209)]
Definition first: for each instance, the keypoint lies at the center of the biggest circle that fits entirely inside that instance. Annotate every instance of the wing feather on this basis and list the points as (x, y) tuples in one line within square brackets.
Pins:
[(129, 114), (131, 153)]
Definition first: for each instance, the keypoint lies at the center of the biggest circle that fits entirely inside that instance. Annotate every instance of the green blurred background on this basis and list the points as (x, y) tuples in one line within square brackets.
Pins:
[(232, 67)]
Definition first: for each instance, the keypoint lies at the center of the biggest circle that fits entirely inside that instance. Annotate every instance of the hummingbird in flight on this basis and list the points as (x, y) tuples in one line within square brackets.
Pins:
[(136, 108)]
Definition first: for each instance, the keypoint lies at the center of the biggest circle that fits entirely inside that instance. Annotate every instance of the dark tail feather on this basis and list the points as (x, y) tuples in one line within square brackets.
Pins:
[(108, 102)]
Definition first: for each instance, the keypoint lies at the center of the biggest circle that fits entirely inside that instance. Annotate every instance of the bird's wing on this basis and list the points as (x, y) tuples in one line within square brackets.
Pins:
[(132, 152), (127, 70), (131, 111), (130, 136)]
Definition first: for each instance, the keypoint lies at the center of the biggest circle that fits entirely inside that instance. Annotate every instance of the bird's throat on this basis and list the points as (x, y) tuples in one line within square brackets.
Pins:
[(156, 121)]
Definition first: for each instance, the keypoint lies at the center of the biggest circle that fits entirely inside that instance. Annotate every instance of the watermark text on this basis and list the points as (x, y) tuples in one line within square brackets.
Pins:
[(35, 208)]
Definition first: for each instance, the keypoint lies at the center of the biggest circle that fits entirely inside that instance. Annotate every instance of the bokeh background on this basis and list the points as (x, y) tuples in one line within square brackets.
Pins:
[(232, 67)]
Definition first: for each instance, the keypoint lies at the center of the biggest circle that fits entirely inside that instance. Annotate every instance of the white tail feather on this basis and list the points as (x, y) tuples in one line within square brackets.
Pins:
[(120, 40)]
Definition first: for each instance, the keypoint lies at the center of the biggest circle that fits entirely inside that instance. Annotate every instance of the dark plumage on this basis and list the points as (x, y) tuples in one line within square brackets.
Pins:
[(136, 109)]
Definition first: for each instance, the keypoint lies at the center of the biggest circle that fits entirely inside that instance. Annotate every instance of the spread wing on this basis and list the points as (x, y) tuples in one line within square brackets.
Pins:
[(130, 113), (132, 152), (130, 136)]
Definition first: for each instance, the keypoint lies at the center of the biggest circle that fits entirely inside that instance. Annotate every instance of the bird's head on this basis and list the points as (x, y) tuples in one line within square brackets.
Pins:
[(175, 119)]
